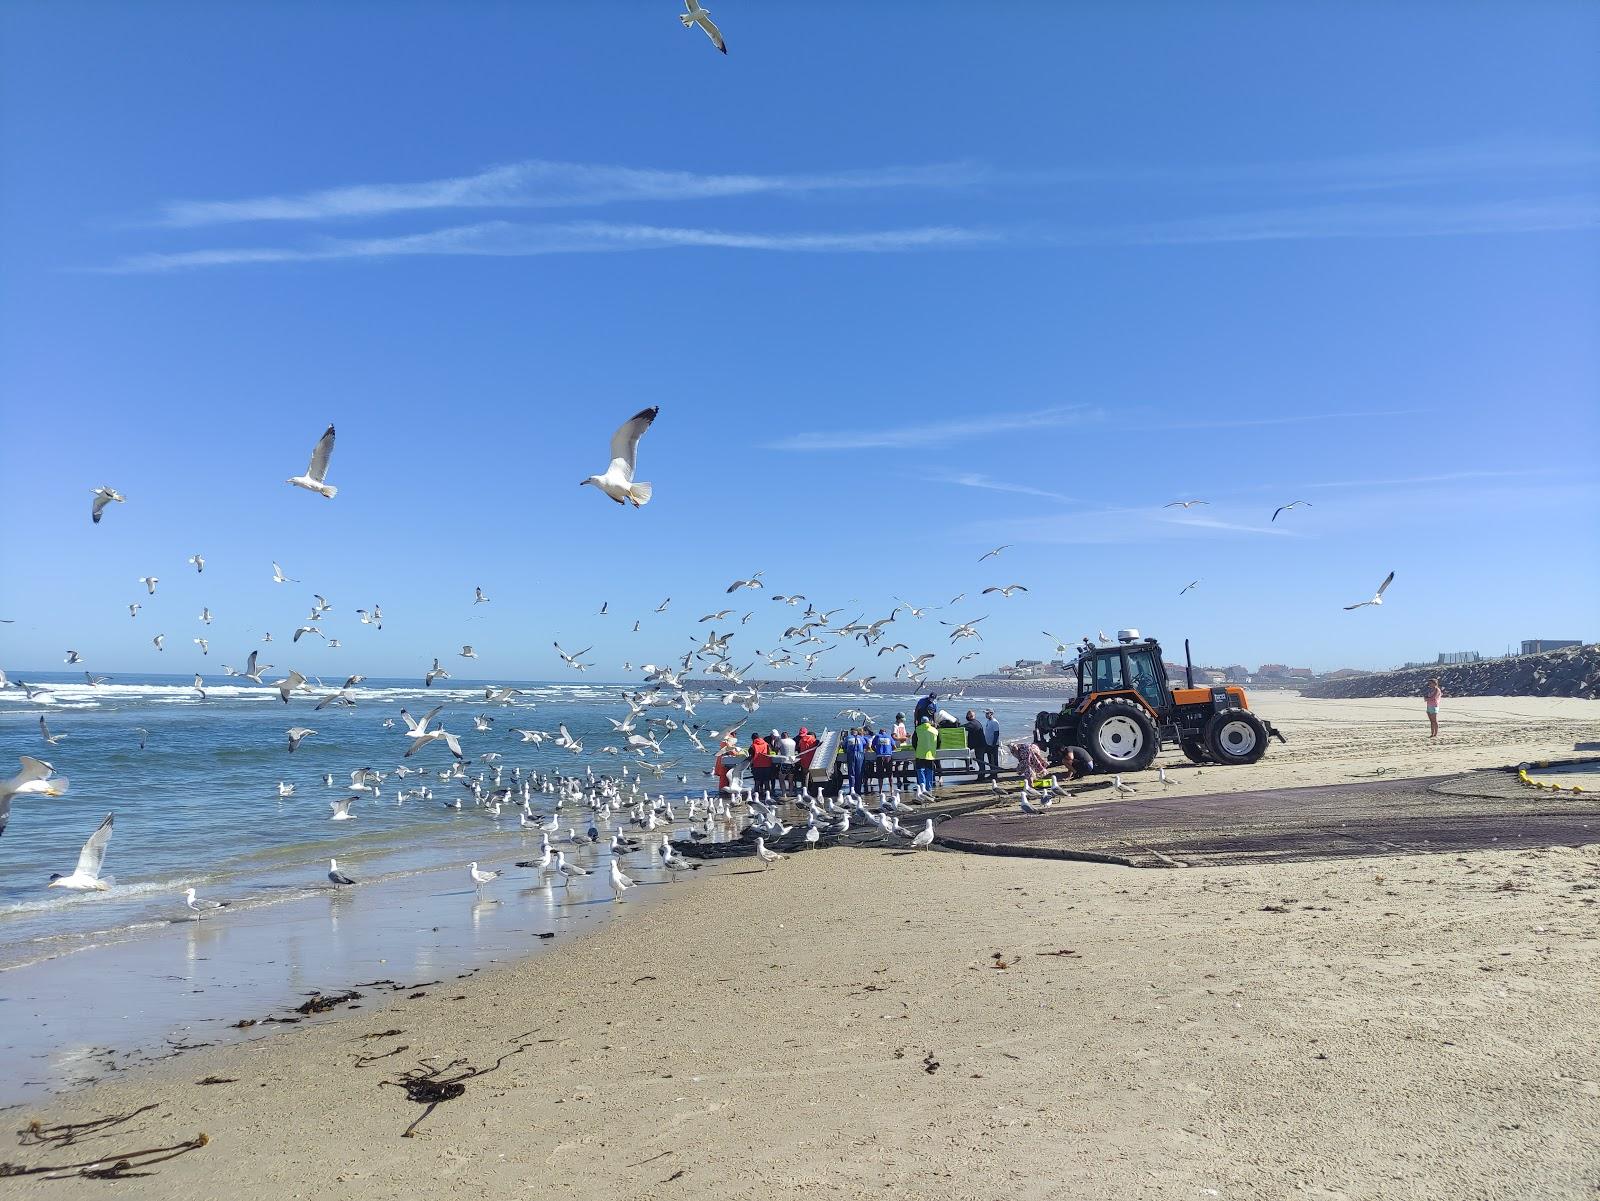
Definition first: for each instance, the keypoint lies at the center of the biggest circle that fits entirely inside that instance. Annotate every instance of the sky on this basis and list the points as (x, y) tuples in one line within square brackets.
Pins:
[(908, 281)]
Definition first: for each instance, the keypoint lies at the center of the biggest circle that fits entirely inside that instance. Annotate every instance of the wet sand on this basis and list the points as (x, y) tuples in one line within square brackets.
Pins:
[(1413, 1026)]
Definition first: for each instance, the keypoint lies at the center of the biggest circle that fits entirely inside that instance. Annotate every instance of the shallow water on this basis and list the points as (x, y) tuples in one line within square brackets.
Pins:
[(198, 807)]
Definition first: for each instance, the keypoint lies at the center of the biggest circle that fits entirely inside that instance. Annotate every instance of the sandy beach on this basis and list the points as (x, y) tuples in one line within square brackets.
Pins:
[(865, 1022)]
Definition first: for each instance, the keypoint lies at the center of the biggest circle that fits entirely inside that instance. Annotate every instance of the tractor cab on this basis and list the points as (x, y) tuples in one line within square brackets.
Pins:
[(1130, 665)]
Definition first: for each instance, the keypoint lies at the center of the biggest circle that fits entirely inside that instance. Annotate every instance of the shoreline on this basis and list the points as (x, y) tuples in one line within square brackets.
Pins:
[(1148, 1035)]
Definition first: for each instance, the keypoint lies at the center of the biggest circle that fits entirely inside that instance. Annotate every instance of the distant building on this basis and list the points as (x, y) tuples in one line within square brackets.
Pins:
[(1344, 673), (1237, 671), (1533, 646), (1273, 670), (1301, 673), (1448, 658)]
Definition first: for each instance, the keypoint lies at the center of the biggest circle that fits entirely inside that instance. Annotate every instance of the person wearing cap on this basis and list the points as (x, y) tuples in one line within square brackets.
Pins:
[(977, 741), (805, 747), (925, 746), (991, 741), (927, 707)]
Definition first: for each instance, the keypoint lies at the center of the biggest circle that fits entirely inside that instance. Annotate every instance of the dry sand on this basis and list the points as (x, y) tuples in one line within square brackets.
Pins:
[(1404, 1027)]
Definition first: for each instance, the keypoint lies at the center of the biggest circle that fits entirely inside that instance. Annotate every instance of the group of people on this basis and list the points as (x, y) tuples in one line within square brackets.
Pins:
[(780, 764)]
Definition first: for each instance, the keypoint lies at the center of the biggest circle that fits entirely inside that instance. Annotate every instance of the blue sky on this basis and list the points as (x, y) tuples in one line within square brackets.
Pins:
[(905, 284)]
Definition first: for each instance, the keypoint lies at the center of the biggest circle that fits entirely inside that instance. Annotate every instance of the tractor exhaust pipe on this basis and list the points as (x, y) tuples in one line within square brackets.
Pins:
[(1188, 665)]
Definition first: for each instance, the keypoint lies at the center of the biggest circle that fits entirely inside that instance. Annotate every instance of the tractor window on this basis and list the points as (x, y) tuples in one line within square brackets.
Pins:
[(1145, 680), (1108, 673)]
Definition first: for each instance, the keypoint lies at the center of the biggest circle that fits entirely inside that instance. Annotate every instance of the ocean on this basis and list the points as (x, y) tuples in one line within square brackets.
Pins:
[(198, 806)]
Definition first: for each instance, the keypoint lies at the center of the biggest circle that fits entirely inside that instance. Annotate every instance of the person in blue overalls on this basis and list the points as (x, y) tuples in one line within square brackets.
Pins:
[(855, 758), (883, 758)]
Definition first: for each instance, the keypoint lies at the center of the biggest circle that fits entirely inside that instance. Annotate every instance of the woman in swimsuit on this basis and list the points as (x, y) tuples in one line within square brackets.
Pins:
[(1431, 696)]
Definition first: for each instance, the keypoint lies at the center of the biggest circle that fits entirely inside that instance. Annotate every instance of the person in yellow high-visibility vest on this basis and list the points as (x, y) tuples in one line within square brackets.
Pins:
[(925, 748)]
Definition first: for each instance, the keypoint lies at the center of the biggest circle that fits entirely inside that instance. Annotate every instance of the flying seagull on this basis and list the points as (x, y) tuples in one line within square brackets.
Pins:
[(1293, 504), (34, 778), (702, 17), (198, 562), (72, 657), (468, 653), (992, 553), (86, 876), (617, 482), (1185, 504), (753, 582), (312, 480), (478, 598), (158, 640), (278, 577), (1377, 597), (199, 686), (102, 498), (298, 735), (1188, 586), (341, 809), (150, 582), (1005, 591)]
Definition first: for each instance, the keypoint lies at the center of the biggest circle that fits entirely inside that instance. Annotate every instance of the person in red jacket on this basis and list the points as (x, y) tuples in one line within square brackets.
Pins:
[(805, 747), (761, 765)]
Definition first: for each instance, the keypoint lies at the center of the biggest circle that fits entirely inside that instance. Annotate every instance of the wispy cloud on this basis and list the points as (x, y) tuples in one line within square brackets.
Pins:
[(916, 433), (1196, 521), (510, 239), (1289, 419), (1409, 480), (972, 479), (542, 184), (1322, 222)]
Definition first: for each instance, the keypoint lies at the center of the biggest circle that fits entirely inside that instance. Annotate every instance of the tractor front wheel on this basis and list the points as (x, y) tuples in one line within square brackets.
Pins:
[(1119, 736), (1235, 737)]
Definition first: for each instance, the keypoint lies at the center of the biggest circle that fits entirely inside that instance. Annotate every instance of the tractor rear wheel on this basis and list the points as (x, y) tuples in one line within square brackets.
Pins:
[(1195, 750), (1235, 737), (1119, 736)]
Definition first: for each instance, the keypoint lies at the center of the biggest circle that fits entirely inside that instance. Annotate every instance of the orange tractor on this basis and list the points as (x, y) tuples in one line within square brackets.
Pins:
[(1126, 709)]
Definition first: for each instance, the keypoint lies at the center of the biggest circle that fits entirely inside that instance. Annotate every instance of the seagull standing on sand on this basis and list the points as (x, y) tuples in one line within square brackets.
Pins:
[(480, 878), (33, 779), (316, 473), (1377, 597), (924, 838), (567, 871), (765, 855), (701, 17), (86, 876), (102, 498), (338, 877), (618, 482), (619, 882), (199, 905)]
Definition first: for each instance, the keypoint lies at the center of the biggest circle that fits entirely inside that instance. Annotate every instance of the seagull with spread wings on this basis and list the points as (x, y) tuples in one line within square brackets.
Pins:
[(1377, 597), (316, 473), (86, 876), (1293, 504), (702, 17), (617, 481), (1005, 591), (102, 498)]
